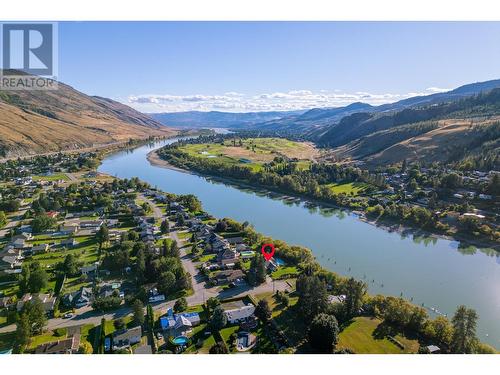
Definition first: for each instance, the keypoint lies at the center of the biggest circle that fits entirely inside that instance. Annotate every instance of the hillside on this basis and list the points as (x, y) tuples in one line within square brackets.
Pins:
[(43, 121), (446, 132), (314, 123)]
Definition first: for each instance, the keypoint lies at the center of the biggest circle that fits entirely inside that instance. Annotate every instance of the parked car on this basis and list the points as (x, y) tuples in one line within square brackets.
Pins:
[(67, 316)]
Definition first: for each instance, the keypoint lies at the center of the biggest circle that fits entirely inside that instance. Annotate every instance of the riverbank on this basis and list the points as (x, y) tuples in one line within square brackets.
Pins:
[(387, 225)]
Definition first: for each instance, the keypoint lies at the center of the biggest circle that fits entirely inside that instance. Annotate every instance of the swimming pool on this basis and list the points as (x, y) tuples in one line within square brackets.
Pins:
[(180, 340)]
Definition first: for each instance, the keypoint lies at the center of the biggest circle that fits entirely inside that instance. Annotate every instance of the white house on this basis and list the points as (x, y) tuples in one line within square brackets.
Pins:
[(240, 314)]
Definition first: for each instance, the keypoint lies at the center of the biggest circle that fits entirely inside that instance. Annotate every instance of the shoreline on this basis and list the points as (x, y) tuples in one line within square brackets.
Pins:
[(155, 160)]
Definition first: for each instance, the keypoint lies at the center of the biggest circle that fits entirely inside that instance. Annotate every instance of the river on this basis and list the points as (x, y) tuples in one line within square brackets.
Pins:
[(439, 273)]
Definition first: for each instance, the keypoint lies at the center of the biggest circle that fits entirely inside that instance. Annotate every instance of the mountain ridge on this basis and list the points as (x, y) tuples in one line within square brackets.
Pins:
[(39, 121)]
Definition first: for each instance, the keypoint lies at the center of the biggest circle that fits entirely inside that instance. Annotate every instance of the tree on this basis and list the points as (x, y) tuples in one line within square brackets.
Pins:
[(23, 333), (191, 202), (493, 187), (257, 272), (180, 219), (355, 292), (164, 227), (323, 333), (119, 324), (218, 348), (212, 303), (166, 283), (464, 338), (70, 265), (3, 219), (38, 280), (262, 311), (218, 319), (33, 278), (42, 222), (313, 296), (36, 315), (174, 249), (140, 266), (85, 348), (138, 311), (102, 236), (442, 330), (180, 305)]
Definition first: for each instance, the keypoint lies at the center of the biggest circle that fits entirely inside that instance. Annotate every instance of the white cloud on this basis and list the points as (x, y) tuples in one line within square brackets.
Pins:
[(279, 101)]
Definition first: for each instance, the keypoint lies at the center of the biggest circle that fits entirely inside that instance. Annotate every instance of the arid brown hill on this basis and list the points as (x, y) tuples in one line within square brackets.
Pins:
[(34, 122)]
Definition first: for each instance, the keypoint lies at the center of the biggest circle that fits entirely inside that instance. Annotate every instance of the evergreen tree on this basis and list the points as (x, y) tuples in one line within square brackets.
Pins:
[(138, 311), (464, 323), (323, 333)]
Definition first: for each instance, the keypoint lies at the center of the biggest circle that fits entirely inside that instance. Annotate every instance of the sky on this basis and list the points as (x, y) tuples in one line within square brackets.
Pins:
[(261, 66)]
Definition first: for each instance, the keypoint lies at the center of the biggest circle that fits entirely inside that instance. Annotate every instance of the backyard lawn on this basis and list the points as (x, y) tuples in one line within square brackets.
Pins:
[(364, 336), (199, 334), (281, 271), (227, 332)]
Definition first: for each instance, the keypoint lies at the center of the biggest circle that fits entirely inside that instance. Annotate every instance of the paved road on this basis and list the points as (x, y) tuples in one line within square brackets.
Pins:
[(13, 221)]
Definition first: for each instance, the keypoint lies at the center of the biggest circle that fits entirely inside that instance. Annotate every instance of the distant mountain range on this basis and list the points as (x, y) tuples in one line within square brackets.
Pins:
[(443, 126), (215, 119), (43, 121)]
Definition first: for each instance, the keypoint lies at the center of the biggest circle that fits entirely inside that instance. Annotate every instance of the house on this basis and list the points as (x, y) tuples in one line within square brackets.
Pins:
[(91, 224), (81, 298), (485, 197), (193, 317), (111, 223), (127, 337), (477, 216), (155, 296), (108, 290), (69, 242), (47, 300), (12, 261), (337, 299), (227, 256), (433, 349), (52, 214), (228, 276), (246, 254), (38, 249), (19, 243), (89, 270), (239, 314), (271, 265), (235, 240), (65, 346), (69, 229)]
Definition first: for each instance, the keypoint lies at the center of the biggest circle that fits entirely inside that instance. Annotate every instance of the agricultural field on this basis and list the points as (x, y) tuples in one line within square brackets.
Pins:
[(254, 151)]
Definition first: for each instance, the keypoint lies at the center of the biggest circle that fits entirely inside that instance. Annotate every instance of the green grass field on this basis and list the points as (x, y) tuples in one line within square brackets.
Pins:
[(352, 188), (363, 337), (53, 177), (281, 271), (254, 152)]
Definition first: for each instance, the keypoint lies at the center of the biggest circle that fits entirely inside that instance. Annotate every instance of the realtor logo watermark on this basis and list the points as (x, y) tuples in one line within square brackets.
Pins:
[(29, 56)]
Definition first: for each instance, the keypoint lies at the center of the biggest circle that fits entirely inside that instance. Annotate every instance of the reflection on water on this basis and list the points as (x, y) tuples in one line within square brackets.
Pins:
[(436, 273)]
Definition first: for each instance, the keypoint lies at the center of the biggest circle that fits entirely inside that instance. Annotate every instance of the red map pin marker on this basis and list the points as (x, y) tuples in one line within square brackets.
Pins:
[(268, 250)]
